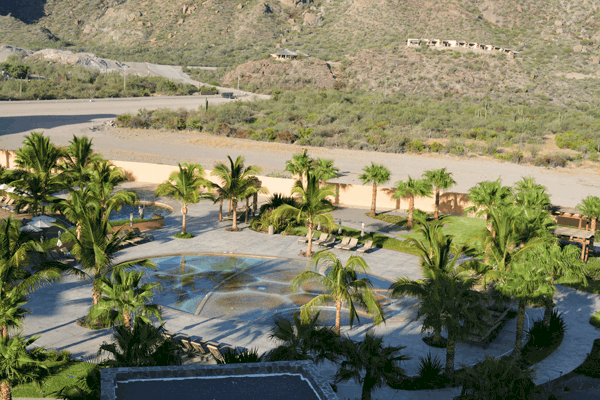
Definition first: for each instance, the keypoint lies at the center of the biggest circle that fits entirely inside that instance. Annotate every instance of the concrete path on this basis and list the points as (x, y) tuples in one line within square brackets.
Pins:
[(54, 309)]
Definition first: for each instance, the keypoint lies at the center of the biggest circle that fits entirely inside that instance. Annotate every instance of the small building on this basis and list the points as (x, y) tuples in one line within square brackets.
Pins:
[(450, 43), (473, 45), (434, 42), (489, 47), (285, 55), (413, 42), (462, 43), (510, 53)]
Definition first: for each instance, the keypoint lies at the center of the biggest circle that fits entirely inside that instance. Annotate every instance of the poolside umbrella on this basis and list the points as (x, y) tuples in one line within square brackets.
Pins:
[(40, 224), (10, 189), (29, 228), (340, 228), (44, 218), (59, 242), (3, 186), (362, 229)]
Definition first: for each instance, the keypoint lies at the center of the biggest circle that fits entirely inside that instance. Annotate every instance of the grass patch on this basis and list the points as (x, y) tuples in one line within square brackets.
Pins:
[(126, 221), (61, 374), (391, 219), (591, 366), (595, 320), (463, 229), (184, 235)]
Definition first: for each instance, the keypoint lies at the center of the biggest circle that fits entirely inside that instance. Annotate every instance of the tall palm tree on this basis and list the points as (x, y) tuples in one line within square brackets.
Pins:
[(528, 193), (15, 363), (590, 208), (438, 256), (184, 185), (34, 189), (300, 164), (39, 154), (77, 205), (341, 285), (124, 297), (440, 179), (96, 248), (143, 346), (312, 206), (325, 170), (377, 174), (79, 159), (238, 182), (303, 340), (412, 188), (371, 363)]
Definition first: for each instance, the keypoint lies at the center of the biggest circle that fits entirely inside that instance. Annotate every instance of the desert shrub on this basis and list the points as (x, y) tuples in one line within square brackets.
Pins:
[(436, 147), (552, 160), (416, 146)]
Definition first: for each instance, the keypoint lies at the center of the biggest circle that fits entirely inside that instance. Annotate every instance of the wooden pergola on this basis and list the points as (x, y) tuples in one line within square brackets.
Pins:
[(570, 216), (586, 238)]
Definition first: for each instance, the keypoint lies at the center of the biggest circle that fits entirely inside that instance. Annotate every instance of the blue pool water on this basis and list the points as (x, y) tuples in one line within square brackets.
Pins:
[(251, 289), (149, 211)]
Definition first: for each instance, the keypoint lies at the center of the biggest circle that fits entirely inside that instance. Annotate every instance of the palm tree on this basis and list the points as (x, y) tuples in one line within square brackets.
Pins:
[(411, 189), (462, 312), (123, 297), (78, 160), (590, 208), (303, 340), (15, 280), (438, 256), (371, 363), (377, 174), (527, 193), (96, 248), (104, 177), (15, 363), (78, 203), (487, 195), (34, 189), (440, 179), (184, 185), (143, 346), (325, 170), (312, 206), (300, 164), (237, 182), (39, 154), (341, 285)]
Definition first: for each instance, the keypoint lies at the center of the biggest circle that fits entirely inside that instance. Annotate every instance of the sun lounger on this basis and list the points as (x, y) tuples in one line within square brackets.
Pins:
[(305, 239), (344, 242), (330, 240), (168, 334), (197, 345), (180, 336), (214, 350), (352, 245), (187, 343), (321, 238), (366, 247)]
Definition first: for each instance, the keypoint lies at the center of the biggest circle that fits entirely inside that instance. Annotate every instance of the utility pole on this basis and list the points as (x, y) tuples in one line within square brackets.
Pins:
[(238, 81), (20, 87), (124, 78)]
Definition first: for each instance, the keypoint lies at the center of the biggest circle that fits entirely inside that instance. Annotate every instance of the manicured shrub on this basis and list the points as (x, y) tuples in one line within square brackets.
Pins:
[(184, 235)]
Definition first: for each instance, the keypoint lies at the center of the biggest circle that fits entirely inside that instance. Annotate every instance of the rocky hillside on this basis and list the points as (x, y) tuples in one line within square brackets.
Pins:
[(365, 40)]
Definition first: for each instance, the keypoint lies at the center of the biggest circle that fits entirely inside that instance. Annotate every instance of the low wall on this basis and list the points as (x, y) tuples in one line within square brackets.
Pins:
[(346, 194)]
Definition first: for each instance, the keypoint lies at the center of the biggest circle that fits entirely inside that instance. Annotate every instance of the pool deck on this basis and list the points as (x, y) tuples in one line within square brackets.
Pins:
[(55, 308)]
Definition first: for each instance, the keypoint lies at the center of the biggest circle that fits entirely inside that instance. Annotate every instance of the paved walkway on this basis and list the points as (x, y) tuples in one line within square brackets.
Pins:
[(54, 309)]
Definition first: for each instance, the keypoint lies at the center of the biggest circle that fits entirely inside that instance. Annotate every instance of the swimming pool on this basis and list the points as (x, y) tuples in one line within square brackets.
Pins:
[(250, 289), (149, 211)]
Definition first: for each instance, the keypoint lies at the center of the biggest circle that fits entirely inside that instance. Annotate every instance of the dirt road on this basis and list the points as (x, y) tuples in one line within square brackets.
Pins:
[(63, 119)]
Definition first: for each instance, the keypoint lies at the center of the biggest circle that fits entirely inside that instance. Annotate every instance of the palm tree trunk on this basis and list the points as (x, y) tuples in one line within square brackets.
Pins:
[(450, 352), (411, 211), (78, 231), (338, 312), (310, 239), (96, 292), (234, 201), (220, 210), (549, 306), (127, 320), (437, 335), (254, 201), (367, 386), (437, 203), (4, 331), (229, 208), (374, 199), (184, 211), (5, 391), (520, 328), (247, 205)]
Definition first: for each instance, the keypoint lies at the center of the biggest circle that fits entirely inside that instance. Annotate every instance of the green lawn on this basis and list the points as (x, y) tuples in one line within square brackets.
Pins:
[(462, 228), (61, 374)]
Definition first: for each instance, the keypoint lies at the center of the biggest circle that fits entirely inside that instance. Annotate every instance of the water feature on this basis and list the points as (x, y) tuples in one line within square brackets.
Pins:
[(249, 289)]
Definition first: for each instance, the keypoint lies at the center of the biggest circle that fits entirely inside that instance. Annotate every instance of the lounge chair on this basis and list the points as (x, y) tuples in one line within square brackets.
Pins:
[(328, 242), (305, 239), (352, 245), (187, 343), (321, 238), (138, 233), (344, 242), (197, 345), (366, 247), (213, 347)]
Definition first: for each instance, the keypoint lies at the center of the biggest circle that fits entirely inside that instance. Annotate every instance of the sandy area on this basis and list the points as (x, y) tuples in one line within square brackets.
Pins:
[(63, 119)]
